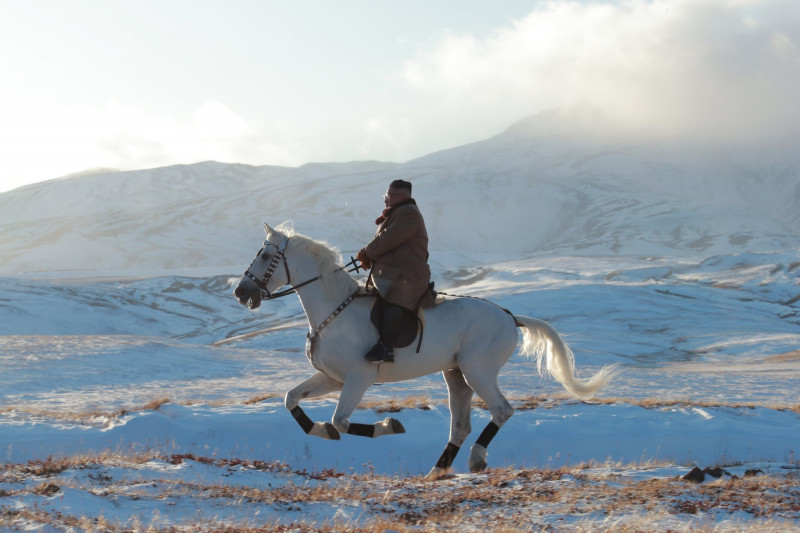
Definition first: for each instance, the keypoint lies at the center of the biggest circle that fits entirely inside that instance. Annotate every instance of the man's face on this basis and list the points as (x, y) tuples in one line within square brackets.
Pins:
[(395, 196)]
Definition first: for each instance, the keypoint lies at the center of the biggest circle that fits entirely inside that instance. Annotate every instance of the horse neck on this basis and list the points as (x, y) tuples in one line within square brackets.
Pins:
[(320, 298)]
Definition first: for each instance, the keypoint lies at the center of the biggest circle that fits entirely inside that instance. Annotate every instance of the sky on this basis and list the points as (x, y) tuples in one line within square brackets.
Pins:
[(96, 84)]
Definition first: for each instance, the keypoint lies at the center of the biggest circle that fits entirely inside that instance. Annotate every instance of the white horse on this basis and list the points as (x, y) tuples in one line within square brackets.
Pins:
[(467, 339)]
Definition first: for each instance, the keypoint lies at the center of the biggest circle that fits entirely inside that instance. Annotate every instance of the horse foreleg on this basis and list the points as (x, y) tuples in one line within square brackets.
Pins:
[(317, 385), (352, 393), (460, 398), (387, 426)]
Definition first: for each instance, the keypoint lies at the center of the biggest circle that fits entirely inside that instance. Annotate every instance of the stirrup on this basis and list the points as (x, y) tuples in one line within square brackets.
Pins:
[(380, 354)]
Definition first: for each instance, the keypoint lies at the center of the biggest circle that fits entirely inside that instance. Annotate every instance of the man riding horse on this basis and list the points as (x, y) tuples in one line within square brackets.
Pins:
[(398, 257), (470, 340)]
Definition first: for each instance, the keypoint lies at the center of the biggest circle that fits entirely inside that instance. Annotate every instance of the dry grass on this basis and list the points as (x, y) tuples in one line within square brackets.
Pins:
[(88, 416), (585, 497), (794, 355), (588, 497), (554, 401), (260, 398), (396, 405), (392, 405)]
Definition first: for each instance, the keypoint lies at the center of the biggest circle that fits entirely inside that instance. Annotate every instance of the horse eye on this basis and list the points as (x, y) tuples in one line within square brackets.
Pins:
[(265, 256)]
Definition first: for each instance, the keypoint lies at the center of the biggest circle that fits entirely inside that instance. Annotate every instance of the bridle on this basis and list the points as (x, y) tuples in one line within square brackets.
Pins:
[(262, 282), (279, 256)]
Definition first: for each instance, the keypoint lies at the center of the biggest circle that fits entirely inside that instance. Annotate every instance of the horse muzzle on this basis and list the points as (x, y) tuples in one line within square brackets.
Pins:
[(248, 296)]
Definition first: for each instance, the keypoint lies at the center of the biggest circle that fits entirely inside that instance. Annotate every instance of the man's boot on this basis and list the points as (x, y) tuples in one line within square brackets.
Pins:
[(380, 353), (391, 321)]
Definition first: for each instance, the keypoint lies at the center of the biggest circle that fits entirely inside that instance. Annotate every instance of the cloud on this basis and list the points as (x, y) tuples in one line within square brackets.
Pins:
[(50, 139), (385, 136), (211, 130), (710, 68), (707, 68)]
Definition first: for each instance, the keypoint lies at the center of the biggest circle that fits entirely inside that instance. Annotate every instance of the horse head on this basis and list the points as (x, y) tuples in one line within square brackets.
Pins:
[(264, 274)]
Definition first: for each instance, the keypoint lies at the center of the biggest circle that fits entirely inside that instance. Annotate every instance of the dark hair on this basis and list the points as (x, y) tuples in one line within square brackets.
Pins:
[(401, 184)]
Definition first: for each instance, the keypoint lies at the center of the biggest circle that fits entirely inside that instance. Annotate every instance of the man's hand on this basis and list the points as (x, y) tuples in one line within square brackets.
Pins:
[(366, 264)]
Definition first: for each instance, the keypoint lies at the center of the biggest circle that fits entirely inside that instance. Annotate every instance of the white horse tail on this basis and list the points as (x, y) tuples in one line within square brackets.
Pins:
[(542, 341)]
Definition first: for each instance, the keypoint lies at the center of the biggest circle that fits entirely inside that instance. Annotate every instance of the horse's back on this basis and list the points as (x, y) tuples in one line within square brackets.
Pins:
[(465, 322), (467, 308)]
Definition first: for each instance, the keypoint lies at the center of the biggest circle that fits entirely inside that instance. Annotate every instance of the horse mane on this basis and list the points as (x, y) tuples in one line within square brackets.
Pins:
[(329, 262)]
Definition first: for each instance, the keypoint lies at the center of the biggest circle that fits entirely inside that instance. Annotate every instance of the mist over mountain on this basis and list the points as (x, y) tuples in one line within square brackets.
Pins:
[(558, 183)]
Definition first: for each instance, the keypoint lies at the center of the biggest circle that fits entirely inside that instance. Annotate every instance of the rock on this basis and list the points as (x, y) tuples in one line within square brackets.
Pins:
[(698, 476), (715, 472), (695, 476)]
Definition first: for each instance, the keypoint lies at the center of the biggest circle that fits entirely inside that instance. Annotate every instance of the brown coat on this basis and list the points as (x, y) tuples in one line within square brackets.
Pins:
[(399, 253)]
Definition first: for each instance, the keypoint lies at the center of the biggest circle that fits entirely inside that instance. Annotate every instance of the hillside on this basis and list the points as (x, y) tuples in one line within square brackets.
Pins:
[(555, 183)]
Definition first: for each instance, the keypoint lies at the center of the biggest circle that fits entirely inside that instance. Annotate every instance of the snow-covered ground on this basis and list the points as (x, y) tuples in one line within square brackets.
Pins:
[(140, 373), (136, 392)]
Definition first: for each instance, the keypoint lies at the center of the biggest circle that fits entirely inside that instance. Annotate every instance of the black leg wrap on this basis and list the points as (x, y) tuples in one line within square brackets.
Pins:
[(302, 419), (361, 430), (488, 434), (448, 456)]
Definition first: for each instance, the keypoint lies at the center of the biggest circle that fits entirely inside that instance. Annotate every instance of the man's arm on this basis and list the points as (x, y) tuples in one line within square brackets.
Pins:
[(405, 224)]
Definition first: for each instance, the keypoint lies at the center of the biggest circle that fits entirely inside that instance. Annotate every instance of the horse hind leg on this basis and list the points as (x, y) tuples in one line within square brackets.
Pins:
[(486, 387), (460, 399)]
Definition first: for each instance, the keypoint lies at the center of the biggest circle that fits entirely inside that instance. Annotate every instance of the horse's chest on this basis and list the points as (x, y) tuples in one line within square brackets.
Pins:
[(320, 359)]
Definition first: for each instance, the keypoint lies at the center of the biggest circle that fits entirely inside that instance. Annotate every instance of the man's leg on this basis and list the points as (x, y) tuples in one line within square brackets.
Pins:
[(391, 321)]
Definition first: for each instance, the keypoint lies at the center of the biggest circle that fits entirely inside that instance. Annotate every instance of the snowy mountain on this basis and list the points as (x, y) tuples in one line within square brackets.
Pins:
[(555, 183)]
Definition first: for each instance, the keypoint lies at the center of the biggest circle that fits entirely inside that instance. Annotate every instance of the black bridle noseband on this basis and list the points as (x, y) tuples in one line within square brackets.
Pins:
[(279, 256)]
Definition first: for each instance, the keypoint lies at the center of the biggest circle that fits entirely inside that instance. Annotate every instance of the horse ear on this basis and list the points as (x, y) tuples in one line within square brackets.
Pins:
[(267, 230)]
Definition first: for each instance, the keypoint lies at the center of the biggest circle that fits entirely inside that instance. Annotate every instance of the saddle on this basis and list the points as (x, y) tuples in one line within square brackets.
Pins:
[(412, 322)]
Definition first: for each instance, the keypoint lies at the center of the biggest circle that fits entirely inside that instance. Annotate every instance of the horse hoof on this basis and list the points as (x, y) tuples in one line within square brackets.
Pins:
[(478, 466), (478, 458), (436, 473), (389, 426), (325, 430), (395, 426)]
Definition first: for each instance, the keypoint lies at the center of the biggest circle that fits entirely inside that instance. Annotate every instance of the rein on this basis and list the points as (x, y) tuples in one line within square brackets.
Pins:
[(516, 322), (312, 335), (281, 256)]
